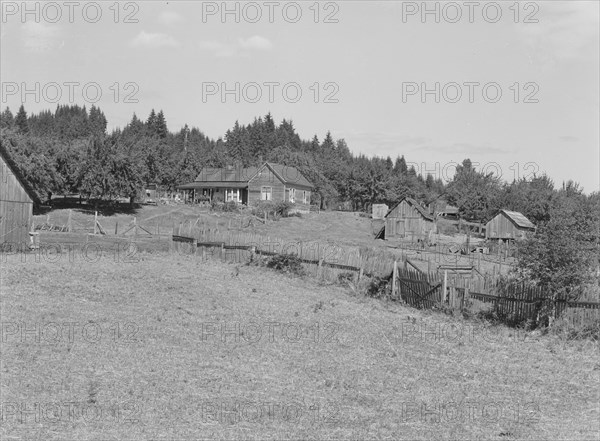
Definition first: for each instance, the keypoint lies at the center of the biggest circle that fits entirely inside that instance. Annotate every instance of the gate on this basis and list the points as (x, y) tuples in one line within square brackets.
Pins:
[(419, 290)]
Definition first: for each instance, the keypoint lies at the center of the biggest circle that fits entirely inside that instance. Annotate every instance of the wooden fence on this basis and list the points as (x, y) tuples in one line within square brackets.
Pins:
[(327, 261), (324, 260), (513, 302)]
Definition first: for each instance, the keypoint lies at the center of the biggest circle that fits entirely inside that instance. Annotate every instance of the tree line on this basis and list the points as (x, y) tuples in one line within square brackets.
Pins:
[(70, 151)]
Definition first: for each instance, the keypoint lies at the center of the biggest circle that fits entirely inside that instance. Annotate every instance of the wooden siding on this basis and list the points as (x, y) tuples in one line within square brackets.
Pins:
[(405, 220), (298, 200), (266, 178), (501, 227), (279, 191), (16, 208)]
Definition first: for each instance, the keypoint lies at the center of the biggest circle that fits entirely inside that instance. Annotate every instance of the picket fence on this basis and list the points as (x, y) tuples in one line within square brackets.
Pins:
[(515, 303), (326, 261)]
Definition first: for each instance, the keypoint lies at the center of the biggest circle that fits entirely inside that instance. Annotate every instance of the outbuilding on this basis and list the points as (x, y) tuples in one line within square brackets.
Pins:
[(16, 203), (408, 219), (508, 225)]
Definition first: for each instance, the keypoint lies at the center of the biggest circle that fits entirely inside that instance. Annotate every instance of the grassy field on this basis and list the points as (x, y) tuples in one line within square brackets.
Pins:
[(328, 227), (173, 347)]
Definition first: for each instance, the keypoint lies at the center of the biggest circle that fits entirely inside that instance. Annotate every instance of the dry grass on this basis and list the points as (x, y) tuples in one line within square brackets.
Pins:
[(328, 227), (371, 364)]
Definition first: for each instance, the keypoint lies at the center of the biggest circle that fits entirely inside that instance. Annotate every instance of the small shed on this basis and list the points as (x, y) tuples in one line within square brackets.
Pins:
[(508, 225), (408, 219), (16, 203)]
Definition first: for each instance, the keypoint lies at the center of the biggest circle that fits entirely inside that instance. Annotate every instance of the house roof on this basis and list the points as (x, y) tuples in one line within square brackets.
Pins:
[(518, 219), (239, 177), (422, 211), (12, 165), (289, 175)]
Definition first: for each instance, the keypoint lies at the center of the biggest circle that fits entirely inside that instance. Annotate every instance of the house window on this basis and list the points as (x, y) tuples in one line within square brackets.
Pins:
[(292, 195), (304, 197), (265, 193), (232, 195)]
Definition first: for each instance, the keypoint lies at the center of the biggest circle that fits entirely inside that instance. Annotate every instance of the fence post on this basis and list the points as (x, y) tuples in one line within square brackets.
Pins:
[(394, 276), (95, 220), (444, 286)]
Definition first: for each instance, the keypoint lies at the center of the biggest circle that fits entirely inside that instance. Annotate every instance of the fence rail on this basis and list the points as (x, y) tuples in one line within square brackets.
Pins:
[(417, 288), (514, 302)]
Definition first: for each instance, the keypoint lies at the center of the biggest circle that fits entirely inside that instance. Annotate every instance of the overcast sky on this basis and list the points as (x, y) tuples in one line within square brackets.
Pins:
[(370, 61)]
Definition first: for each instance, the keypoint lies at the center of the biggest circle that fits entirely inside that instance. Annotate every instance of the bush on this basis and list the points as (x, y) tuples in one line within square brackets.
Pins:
[(287, 263), (225, 206), (346, 277), (379, 288), (589, 330), (279, 209)]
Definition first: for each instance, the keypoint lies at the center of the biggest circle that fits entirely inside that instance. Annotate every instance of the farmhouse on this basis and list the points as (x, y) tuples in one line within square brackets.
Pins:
[(249, 185), (407, 219), (16, 202), (508, 225)]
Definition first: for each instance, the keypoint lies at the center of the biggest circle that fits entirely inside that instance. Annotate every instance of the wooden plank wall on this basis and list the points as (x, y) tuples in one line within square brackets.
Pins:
[(16, 208), (266, 179)]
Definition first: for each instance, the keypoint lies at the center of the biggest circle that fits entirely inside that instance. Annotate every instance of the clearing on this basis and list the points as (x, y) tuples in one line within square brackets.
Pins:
[(190, 349)]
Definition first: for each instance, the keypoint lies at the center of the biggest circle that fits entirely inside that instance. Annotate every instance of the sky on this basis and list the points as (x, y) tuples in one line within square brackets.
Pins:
[(512, 86)]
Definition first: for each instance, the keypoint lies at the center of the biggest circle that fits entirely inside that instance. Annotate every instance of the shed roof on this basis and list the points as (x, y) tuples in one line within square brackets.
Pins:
[(518, 219), (422, 211), (12, 165)]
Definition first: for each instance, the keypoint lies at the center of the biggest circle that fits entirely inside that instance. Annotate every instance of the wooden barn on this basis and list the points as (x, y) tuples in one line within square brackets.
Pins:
[(508, 225), (16, 203), (250, 185), (408, 219)]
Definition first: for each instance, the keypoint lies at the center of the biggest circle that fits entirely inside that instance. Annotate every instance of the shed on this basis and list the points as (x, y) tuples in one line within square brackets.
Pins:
[(16, 203), (508, 225), (408, 219)]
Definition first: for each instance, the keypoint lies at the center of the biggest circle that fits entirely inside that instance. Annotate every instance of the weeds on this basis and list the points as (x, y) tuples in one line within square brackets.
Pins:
[(287, 263)]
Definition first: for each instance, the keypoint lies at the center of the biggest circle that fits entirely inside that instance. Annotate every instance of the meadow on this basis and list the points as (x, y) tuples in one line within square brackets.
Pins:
[(167, 346)]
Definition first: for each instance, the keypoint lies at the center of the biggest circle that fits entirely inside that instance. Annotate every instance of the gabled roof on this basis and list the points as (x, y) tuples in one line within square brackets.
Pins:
[(518, 219), (287, 174), (236, 174), (422, 211), (240, 176), (15, 170)]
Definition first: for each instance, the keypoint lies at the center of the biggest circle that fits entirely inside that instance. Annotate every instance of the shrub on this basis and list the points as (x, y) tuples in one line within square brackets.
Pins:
[(231, 206), (283, 208), (263, 207), (379, 288), (279, 209), (225, 206), (346, 277), (287, 263), (589, 330)]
